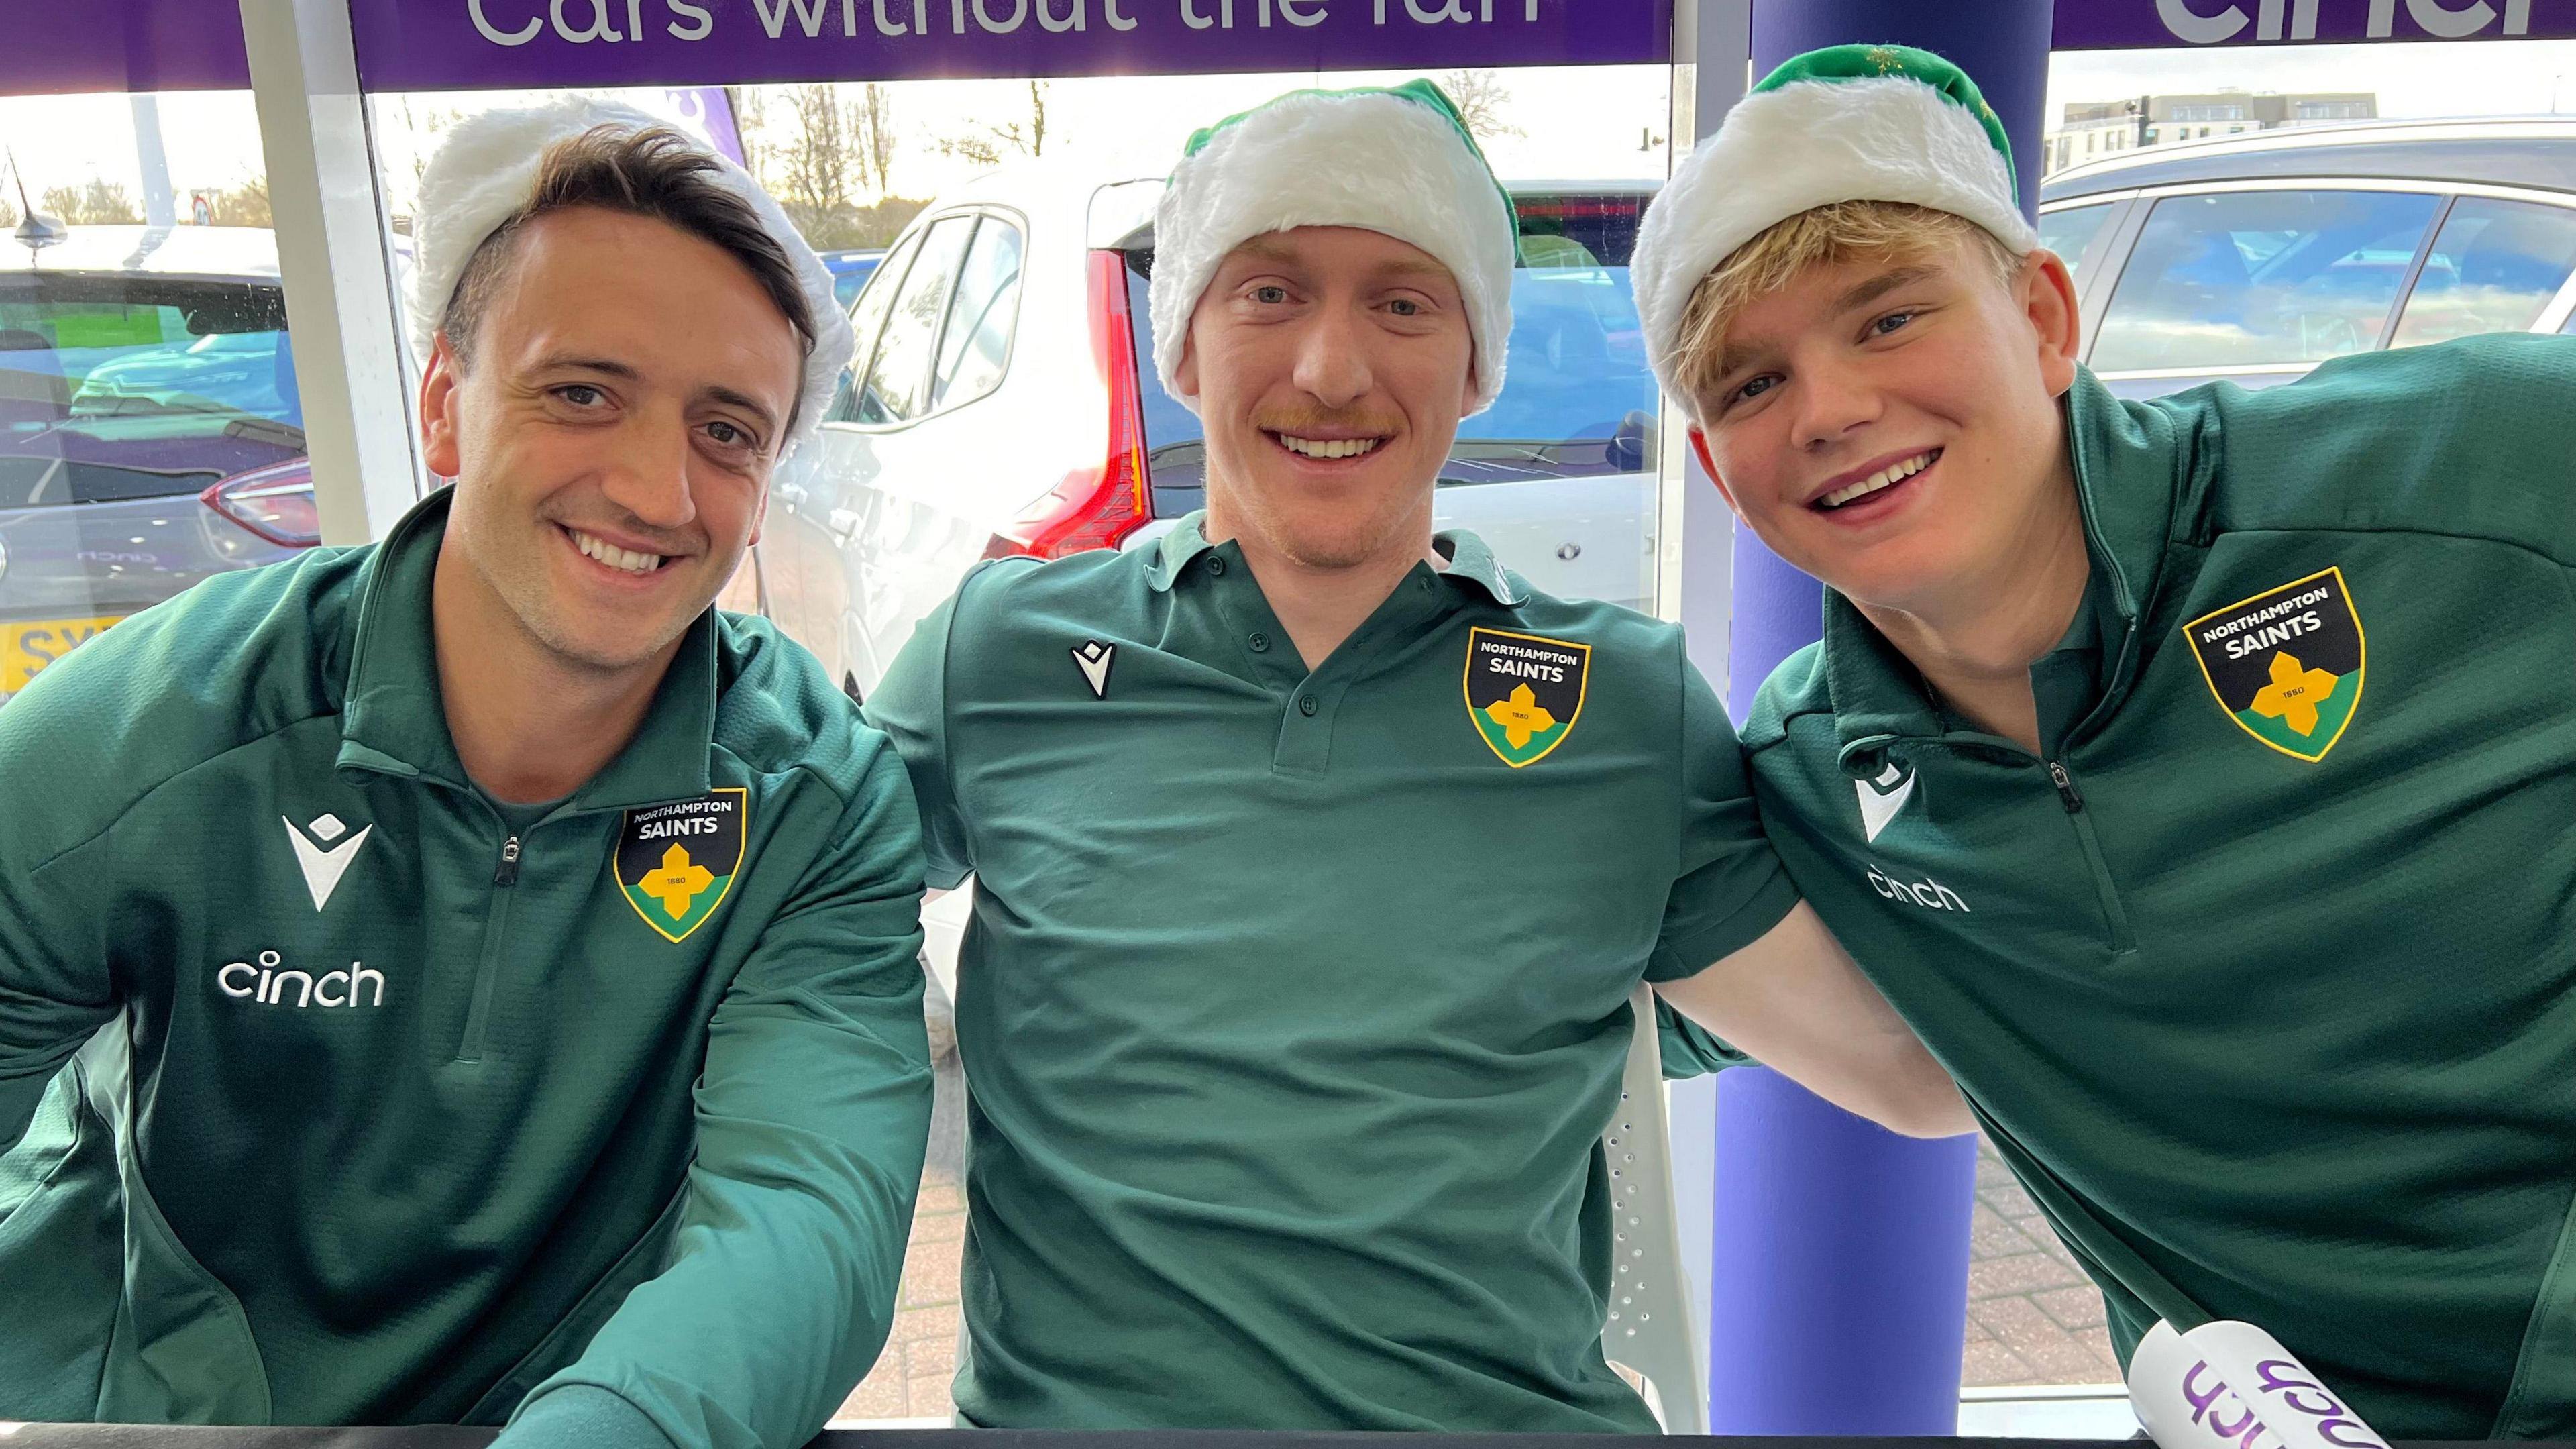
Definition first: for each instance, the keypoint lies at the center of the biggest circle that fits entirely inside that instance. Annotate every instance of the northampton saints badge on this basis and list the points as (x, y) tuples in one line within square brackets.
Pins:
[(2286, 664), (1524, 692), (676, 862)]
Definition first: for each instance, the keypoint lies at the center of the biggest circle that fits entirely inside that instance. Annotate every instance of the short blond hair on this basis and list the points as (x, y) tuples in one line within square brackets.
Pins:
[(1844, 231)]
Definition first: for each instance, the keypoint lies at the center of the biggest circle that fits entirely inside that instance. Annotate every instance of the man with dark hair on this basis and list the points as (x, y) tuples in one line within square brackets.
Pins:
[(487, 971)]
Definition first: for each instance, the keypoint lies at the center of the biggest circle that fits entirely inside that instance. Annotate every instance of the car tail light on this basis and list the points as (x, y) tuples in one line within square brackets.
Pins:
[(1096, 507), (275, 502)]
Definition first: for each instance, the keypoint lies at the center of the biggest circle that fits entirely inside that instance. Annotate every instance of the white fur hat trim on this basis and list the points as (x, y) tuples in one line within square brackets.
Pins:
[(486, 167), (1811, 144), (1369, 160)]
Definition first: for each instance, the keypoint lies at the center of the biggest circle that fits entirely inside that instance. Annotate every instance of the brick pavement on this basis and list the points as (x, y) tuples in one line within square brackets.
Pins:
[(2033, 1317)]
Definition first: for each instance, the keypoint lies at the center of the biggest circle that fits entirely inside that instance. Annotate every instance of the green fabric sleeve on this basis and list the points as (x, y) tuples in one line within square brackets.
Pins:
[(813, 1116), (1690, 1049), (55, 990), (1728, 886), (911, 705), (578, 1416)]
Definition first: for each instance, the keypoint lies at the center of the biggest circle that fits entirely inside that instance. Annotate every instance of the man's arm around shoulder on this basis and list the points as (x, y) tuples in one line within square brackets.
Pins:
[(813, 1116), (1794, 1001)]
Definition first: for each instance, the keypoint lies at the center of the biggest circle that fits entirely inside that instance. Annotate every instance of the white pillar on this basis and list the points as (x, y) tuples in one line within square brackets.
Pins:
[(159, 207), (1712, 55), (338, 265)]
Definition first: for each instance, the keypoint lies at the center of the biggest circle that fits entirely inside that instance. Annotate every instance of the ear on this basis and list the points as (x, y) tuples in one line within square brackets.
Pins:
[(439, 383), (760, 507), (1185, 373), (2046, 292), (1699, 445)]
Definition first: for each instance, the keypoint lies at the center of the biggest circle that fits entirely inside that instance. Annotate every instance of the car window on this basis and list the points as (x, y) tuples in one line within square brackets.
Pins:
[(898, 380), (977, 337), (2070, 233), (2249, 278), (1578, 397), (2494, 266), (118, 387), (866, 319)]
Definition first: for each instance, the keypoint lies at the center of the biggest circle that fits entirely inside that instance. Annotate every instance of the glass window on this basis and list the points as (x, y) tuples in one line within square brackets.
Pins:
[(151, 426), (976, 340), (875, 299), (898, 380), (2070, 232), (2251, 278), (2494, 266)]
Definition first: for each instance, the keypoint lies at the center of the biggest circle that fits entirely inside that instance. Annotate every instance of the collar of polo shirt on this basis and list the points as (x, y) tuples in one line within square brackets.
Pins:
[(1468, 557)]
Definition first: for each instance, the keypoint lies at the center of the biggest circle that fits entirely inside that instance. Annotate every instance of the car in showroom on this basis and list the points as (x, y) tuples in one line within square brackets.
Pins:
[(2253, 258), (151, 430), (1003, 401)]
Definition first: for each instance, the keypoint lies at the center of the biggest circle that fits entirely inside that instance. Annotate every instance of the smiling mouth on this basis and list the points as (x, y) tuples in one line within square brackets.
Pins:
[(1885, 478), (600, 550), (1327, 449)]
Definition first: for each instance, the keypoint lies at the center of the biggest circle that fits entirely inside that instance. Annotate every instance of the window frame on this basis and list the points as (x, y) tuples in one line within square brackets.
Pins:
[(863, 350), (986, 215), (2564, 295), (2144, 199), (976, 213)]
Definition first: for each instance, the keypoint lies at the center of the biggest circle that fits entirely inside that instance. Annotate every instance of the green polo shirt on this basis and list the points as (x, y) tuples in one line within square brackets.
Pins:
[(2260, 974), (1294, 1002)]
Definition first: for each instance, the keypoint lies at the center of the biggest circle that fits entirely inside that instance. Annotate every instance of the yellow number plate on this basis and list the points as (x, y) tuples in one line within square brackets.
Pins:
[(27, 647)]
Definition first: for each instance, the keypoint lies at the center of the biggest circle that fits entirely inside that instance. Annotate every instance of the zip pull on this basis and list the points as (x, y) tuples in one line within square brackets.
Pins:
[(508, 874), (2065, 788)]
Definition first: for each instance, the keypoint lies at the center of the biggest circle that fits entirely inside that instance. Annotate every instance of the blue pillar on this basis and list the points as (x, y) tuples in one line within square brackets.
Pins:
[(1840, 1267)]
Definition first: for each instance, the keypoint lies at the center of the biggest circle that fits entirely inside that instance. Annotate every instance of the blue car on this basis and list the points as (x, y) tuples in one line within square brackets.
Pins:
[(850, 271)]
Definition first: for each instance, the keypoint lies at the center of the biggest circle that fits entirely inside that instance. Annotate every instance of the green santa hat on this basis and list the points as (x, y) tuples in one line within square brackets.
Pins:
[(1395, 161), (1848, 123)]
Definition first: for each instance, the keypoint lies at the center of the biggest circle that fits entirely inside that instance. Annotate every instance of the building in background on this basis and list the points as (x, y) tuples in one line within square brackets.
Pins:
[(2094, 129)]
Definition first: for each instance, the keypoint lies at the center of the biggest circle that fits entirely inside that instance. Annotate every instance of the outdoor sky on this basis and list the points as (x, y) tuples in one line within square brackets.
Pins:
[(1579, 124)]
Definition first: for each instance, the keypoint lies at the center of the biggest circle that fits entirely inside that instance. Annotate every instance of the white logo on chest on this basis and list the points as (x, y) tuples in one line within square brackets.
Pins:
[(322, 861), (268, 985), (1093, 658), (1882, 798), (1928, 893)]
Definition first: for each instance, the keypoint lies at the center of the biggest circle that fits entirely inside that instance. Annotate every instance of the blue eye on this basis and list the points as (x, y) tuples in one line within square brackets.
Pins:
[(1406, 307), (1270, 294), (1756, 388), (1890, 323), (580, 395)]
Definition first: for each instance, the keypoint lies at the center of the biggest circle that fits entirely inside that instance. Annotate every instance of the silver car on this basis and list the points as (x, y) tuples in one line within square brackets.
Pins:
[(151, 430), (2254, 258)]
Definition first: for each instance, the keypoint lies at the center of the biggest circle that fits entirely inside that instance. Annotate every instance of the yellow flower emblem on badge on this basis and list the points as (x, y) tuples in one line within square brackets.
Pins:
[(1520, 716), (679, 881), (2294, 694)]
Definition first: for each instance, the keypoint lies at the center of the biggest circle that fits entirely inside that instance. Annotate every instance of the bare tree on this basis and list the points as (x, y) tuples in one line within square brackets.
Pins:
[(1027, 137), (751, 125), (1481, 99), (822, 163), (244, 205), (100, 203), (877, 137)]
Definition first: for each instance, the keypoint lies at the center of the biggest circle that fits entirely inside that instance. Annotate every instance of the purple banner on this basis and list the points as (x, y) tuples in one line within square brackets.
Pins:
[(408, 45), (125, 45), (708, 110), (2163, 24)]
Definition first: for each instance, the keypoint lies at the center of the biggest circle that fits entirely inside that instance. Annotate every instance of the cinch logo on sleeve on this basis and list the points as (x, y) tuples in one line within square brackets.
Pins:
[(676, 862), (270, 984), (1524, 693), (2287, 663)]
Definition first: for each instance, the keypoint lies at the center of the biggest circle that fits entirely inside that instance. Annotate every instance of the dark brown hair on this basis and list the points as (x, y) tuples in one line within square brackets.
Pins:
[(653, 171)]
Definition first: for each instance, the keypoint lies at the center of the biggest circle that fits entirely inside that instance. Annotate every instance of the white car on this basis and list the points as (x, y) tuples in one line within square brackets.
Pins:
[(1004, 402)]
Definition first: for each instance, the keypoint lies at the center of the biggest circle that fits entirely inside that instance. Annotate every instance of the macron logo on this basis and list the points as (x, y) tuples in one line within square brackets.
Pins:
[(1882, 798), (323, 862)]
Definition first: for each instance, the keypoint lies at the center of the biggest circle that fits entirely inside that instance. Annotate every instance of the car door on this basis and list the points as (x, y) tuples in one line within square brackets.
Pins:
[(798, 556), (2499, 264), (2256, 284), (898, 538)]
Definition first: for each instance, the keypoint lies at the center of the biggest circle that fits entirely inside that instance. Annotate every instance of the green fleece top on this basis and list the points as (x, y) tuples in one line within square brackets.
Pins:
[(388, 1113), (1295, 1000), (2261, 973)]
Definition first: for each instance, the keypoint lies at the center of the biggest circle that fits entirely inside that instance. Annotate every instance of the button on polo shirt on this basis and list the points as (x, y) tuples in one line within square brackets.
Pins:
[(1292, 1010)]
